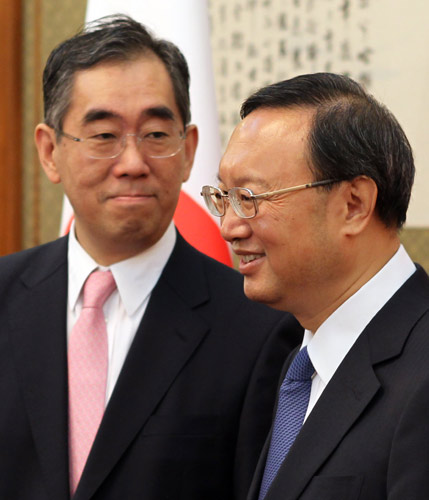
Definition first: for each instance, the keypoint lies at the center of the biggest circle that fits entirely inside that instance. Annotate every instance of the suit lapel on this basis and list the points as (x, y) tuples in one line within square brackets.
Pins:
[(343, 401), (37, 322), (347, 395), (168, 335)]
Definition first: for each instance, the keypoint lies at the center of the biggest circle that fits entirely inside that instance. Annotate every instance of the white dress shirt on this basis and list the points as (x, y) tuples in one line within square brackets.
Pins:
[(135, 279), (336, 335)]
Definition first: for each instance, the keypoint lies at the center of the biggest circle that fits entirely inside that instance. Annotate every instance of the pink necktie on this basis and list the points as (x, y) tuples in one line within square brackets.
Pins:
[(87, 371)]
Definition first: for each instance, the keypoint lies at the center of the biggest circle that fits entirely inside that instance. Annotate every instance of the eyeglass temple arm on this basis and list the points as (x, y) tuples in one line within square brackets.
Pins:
[(71, 137), (294, 188)]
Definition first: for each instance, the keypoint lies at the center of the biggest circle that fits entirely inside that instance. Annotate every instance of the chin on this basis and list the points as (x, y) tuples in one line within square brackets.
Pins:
[(258, 294)]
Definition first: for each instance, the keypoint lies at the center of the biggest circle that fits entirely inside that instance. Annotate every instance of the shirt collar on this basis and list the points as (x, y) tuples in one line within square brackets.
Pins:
[(135, 277), (339, 332)]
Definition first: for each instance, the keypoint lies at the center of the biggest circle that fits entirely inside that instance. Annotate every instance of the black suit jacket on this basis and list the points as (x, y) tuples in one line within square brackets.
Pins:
[(367, 437), (192, 405)]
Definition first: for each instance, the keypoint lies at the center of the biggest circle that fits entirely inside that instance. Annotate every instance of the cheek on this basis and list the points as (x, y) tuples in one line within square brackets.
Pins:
[(287, 247), (80, 187), (85, 188), (75, 170), (271, 238), (171, 179), (185, 170), (271, 227)]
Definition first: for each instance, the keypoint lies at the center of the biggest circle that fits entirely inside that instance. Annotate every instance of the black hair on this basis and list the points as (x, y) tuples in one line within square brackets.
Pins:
[(352, 134), (111, 38)]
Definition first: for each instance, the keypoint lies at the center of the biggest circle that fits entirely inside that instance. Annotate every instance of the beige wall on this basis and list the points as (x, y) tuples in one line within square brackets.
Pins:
[(380, 43), (254, 42), (46, 23)]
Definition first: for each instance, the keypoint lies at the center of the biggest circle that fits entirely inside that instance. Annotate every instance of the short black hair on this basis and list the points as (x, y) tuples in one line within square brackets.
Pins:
[(352, 134), (111, 38)]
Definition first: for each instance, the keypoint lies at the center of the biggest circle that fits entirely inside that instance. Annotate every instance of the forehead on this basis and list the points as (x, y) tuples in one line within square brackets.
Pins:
[(269, 143), (125, 89)]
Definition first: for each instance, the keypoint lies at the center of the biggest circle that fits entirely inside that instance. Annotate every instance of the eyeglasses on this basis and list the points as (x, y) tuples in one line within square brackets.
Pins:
[(160, 143), (243, 200)]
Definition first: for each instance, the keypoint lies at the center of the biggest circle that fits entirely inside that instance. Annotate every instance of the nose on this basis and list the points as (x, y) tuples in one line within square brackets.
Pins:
[(131, 161), (233, 227)]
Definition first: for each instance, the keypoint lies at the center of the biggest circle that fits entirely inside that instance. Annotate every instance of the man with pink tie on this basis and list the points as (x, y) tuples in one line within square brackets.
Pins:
[(132, 366)]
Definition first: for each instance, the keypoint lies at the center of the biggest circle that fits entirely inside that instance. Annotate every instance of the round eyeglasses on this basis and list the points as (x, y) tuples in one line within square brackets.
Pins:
[(243, 200), (103, 145)]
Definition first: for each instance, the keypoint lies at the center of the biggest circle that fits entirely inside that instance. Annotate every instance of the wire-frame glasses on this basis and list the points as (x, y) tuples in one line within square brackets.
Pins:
[(162, 142), (243, 200)]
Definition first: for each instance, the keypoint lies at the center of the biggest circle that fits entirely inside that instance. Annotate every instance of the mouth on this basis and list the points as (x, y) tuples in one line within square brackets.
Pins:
[(250, 262), (249, 258), (130, 197)]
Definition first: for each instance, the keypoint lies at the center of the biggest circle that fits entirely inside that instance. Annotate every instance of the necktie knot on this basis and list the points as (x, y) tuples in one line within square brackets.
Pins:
[(98, 288), (301, 367)]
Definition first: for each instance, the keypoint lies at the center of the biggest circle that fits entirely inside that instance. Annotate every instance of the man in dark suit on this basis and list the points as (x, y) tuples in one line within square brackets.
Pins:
[(318, 175), (189, 366)]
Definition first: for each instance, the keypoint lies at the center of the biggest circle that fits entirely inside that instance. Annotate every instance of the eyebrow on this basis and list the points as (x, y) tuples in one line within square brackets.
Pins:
[(242, 181), (98, 114), (94, 115), (159, 112)]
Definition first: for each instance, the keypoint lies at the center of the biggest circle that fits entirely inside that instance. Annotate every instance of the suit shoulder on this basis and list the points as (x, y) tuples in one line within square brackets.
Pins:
[(15, 264)]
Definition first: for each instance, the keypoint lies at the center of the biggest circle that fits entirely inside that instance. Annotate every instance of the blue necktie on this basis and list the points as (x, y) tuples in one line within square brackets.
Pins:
[(291, 409)]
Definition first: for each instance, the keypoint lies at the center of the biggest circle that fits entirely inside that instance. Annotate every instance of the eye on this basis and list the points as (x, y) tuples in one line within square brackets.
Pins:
[(244, 196), (103, 136), (157, 134)]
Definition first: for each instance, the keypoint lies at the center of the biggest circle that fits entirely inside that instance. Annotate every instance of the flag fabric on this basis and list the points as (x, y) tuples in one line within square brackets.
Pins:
[(186, 24), (66, 217)]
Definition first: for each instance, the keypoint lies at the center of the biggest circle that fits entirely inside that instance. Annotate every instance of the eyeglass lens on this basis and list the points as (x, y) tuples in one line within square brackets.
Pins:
[(214, 200), (240, 198), (242, 202)]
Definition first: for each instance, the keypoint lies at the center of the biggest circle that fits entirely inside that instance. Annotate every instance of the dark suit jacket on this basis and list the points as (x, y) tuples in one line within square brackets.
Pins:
[(367, 437), (191, 408)]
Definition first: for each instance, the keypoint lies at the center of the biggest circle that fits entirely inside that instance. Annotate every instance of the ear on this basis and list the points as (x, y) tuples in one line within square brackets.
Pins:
[(360, 196), (191, 142), (46, 144)]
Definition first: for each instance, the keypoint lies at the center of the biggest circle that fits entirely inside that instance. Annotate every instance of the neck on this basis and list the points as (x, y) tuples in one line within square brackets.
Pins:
[(106, 253), (364, 264)]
